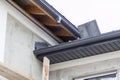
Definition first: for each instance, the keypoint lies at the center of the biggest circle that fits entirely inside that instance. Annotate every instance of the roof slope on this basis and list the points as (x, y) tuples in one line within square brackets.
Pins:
[(81, 48), (49, 17)]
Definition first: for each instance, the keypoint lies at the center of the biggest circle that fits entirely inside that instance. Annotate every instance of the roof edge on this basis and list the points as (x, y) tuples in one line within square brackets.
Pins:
[(58, 17), (76, 43)]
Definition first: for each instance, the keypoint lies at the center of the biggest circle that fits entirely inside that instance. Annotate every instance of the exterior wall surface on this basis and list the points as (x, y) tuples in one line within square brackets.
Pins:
[(18, 35), (5, 9), (19, 49), (3, 21), (89, 69)]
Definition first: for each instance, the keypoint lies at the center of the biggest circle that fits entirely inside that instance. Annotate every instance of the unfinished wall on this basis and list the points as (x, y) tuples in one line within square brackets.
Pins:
[(3, 18), (19, 49), (18, 35), (5, 9), (87, 69)]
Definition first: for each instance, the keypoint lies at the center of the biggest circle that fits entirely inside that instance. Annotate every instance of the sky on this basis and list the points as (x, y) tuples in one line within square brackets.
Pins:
[(106, 12)]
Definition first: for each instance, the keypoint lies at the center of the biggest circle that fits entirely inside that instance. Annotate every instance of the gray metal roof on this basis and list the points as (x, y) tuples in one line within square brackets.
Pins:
[(81, 48)]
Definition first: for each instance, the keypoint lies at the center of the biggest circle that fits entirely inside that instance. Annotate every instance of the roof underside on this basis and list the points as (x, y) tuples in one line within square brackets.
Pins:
[(81, 48), (40, 11)]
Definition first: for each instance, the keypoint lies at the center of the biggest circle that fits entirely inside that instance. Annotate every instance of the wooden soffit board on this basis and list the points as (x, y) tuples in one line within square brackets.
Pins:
[(43, 17)]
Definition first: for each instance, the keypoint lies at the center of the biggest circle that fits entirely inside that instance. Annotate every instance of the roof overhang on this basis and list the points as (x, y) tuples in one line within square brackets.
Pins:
[(104, 43), (41, 12)]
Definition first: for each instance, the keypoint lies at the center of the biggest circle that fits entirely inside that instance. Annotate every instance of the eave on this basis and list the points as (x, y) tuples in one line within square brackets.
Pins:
[(43, 13), (104, 43)]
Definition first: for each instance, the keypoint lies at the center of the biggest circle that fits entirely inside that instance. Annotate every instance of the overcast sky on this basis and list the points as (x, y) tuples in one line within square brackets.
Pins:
[(106, 12)]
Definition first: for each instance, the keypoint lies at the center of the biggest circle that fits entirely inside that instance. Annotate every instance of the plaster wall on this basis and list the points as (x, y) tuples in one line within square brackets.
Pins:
[(19, 49), (3, 21), (18, 35), (5, 9)]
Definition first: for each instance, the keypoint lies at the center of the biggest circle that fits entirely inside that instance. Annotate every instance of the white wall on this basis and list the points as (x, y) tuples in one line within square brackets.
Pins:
[(6, 8), (3, 21), (17, 37), (19, 49), (88, 67)]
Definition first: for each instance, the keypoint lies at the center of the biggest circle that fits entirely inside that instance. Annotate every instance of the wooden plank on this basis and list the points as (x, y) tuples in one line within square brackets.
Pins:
[(12, 74), (34, 10), (47, 21), (33, 19), (62, 33), (46, 63), (42, 9)]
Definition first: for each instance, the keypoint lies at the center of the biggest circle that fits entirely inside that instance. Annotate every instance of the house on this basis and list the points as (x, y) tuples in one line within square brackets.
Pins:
[(28, 24)]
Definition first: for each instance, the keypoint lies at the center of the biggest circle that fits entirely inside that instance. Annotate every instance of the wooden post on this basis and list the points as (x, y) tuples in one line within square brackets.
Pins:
[(46, 63)]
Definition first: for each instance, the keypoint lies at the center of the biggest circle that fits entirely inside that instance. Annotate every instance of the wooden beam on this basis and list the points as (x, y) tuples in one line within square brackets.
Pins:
[(32, 1), (62, 33), (12, 74), (34, 10), (67, 38), (33, 19), (58, 30), (51, 24), (48, 20), (37, 10), (46, 63), (45, 20)]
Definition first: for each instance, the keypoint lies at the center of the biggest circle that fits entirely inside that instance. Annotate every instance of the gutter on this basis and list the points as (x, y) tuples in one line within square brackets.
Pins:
[(77, 43), (58, 17)]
